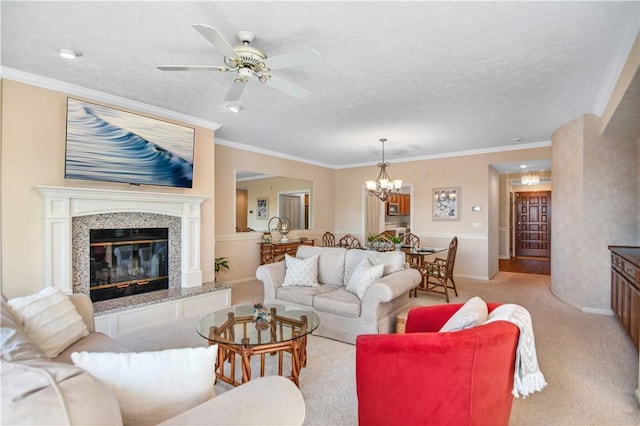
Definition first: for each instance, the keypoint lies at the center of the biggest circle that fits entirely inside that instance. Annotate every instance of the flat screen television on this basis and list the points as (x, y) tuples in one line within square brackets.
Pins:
[(107, 144)]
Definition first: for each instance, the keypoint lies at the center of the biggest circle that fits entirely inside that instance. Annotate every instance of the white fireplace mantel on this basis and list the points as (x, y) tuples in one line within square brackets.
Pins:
[(61, 204)]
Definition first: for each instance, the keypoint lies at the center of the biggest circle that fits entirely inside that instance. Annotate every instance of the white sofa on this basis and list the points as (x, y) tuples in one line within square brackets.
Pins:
[(343, 315), (40, 390)]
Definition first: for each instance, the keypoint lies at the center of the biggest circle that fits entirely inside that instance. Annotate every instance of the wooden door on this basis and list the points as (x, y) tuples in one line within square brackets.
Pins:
[(533, 230), (290, 208)]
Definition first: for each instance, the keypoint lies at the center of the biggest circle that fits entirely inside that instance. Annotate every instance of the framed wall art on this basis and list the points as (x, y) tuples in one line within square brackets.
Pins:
[(108, 144), (446, 203), (263, 208)]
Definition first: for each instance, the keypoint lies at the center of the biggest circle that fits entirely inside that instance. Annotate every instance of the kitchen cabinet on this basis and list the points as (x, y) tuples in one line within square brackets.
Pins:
[(625, 288), (405, 204), (402, 200)]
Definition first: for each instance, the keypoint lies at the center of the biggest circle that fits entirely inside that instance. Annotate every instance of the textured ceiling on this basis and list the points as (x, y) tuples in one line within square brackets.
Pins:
[(432, 77)]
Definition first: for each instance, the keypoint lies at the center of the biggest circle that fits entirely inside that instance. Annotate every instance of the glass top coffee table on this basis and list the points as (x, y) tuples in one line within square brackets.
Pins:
[(247, 330)]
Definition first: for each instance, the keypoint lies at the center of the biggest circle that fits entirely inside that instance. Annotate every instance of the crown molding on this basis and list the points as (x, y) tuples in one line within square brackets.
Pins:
[(71, 89), (541, 144), (630, 29), (236, 145)]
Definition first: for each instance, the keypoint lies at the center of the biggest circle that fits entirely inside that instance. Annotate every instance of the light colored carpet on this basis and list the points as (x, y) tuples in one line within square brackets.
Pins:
[(590, 364)]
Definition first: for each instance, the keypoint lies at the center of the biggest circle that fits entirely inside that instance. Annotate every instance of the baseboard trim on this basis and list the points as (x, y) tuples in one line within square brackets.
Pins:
[(585, 309), (472, 277)]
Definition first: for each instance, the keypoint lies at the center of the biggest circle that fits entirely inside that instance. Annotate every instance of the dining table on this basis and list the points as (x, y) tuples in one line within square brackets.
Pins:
[(417, 256)]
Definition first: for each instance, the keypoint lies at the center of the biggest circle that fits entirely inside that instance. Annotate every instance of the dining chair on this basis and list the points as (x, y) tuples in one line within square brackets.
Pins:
[(350, 241), (328, 239), (412, 241), (437, 276)]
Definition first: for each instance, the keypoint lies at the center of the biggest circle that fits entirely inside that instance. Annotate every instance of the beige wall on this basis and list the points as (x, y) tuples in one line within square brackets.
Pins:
[(33, 144), (596, 204), (242, 248), (477, 257)]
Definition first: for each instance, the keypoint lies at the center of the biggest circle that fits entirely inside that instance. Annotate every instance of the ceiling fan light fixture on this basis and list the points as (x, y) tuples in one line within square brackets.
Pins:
[(244, 75), (247, 62)]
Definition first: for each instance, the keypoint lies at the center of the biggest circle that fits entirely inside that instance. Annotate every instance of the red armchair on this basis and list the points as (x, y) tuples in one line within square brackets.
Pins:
[(428, 378)]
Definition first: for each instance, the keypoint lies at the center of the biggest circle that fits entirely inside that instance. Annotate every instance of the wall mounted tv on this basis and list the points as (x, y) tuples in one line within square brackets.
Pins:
[(107, 144)]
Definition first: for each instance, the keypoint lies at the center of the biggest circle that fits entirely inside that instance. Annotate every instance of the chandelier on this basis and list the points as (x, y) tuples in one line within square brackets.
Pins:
[(383, 185), (530, 180)]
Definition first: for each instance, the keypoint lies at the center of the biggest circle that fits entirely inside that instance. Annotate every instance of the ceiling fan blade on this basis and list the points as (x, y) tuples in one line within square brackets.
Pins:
[(214, 37), (288, 88), (292, 59), (235, 91), (191, 68)]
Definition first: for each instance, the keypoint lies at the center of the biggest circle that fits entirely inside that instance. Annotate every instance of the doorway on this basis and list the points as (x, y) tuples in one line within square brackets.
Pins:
[(533, 224)]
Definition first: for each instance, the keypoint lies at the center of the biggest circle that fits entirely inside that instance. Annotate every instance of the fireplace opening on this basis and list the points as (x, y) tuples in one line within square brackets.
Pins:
[(128, 261)]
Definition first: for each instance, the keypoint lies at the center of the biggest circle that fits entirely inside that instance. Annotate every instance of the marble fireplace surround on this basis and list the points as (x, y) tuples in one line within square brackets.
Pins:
[(62, 204), (80, 241)]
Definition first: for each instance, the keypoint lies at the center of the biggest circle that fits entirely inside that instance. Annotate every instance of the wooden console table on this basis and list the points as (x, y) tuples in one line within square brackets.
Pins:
[(274, 252)]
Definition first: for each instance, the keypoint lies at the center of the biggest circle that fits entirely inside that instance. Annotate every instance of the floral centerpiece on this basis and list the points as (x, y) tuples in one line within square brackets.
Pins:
[(261, 316)]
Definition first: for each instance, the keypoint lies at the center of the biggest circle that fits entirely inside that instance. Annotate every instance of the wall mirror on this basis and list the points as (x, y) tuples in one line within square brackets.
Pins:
[(260, 197)]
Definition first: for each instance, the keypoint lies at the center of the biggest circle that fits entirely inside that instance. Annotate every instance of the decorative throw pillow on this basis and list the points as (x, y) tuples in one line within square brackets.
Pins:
[(364, 274), (50, 319), (472, 313), (154, 386), (15, 344), (301, 272)]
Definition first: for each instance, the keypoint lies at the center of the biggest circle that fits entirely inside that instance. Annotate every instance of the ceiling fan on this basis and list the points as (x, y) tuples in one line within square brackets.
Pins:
[(249, 62)]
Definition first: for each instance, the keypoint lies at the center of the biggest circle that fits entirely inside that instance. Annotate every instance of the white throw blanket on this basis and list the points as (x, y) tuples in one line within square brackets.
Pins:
[(527, 376)]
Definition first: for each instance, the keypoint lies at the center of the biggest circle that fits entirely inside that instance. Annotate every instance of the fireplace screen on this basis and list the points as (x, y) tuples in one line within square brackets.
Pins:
[(128, 261)]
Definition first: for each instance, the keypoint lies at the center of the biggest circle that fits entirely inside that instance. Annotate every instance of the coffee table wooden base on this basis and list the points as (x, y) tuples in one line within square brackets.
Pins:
[(227, 349)]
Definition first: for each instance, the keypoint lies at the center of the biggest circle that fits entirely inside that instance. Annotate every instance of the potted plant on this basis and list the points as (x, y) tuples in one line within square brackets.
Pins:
[(218, 264), (370, 239), (397, 241)]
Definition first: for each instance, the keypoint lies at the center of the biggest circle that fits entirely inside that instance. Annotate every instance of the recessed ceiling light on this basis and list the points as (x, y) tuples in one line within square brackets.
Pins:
[(234, 108), (69, 53)]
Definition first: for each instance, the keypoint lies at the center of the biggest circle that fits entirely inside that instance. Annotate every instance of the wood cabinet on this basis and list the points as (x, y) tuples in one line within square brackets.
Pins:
[(625, 288), (403, 201), (405, 204), (274, 252)]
